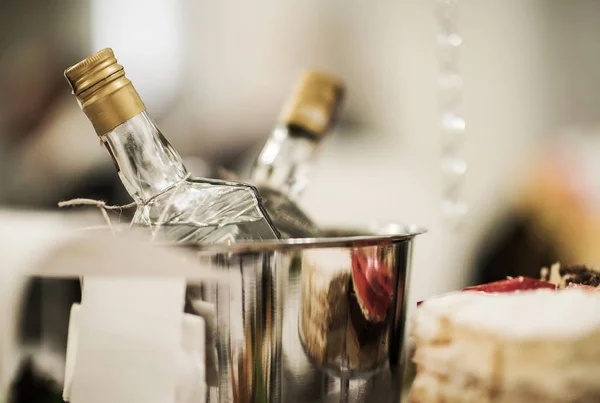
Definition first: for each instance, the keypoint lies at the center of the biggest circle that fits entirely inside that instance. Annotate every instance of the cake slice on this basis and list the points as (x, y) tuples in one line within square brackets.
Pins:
[(530, 346)]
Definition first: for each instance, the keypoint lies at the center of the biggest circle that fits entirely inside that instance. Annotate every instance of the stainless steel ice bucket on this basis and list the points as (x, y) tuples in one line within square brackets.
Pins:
[(307, 320)]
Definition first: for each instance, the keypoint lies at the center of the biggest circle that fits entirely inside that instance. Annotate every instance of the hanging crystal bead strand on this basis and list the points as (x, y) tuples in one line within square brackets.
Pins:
[(452, 121)]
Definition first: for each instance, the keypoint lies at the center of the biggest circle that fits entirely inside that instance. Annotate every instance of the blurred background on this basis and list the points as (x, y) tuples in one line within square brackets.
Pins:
[(214, 76)]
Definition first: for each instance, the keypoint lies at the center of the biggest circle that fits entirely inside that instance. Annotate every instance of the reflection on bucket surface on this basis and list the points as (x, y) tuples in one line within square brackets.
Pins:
[(310, 320), (345, 299)]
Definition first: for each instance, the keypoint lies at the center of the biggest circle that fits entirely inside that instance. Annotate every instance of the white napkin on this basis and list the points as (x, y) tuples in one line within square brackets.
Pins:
[(128, 340), (191, 383)]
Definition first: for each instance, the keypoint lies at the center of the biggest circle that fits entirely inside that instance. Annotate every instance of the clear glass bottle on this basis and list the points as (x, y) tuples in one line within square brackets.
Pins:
[(282, 170), (170, 202)]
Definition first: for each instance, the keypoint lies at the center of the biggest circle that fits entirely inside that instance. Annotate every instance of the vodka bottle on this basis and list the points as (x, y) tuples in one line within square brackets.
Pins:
[(282, 170), (170, 202)]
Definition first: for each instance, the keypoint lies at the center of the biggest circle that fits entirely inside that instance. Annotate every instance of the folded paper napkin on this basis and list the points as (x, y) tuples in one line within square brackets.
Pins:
[(191, 373)]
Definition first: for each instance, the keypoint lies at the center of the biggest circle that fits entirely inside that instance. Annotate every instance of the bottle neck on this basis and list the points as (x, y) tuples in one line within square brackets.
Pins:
[(147, 164), (286, 161)]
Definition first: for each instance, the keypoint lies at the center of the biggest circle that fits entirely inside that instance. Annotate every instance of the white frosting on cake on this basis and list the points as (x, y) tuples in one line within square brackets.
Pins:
[(530, 314), (538, 345)]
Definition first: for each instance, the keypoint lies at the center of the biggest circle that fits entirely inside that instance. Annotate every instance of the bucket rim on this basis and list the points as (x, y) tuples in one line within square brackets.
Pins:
[(378, 233)]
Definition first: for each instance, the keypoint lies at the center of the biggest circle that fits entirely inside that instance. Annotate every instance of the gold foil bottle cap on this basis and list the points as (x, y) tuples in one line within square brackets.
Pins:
[(315, 103), (103, 91)]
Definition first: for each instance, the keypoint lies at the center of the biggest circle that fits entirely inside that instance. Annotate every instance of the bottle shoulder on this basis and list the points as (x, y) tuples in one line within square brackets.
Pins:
[(232, 186), (200, 202)]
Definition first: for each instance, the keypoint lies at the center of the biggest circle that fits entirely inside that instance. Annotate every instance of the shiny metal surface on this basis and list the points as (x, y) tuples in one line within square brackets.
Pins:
[(307, 320)]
